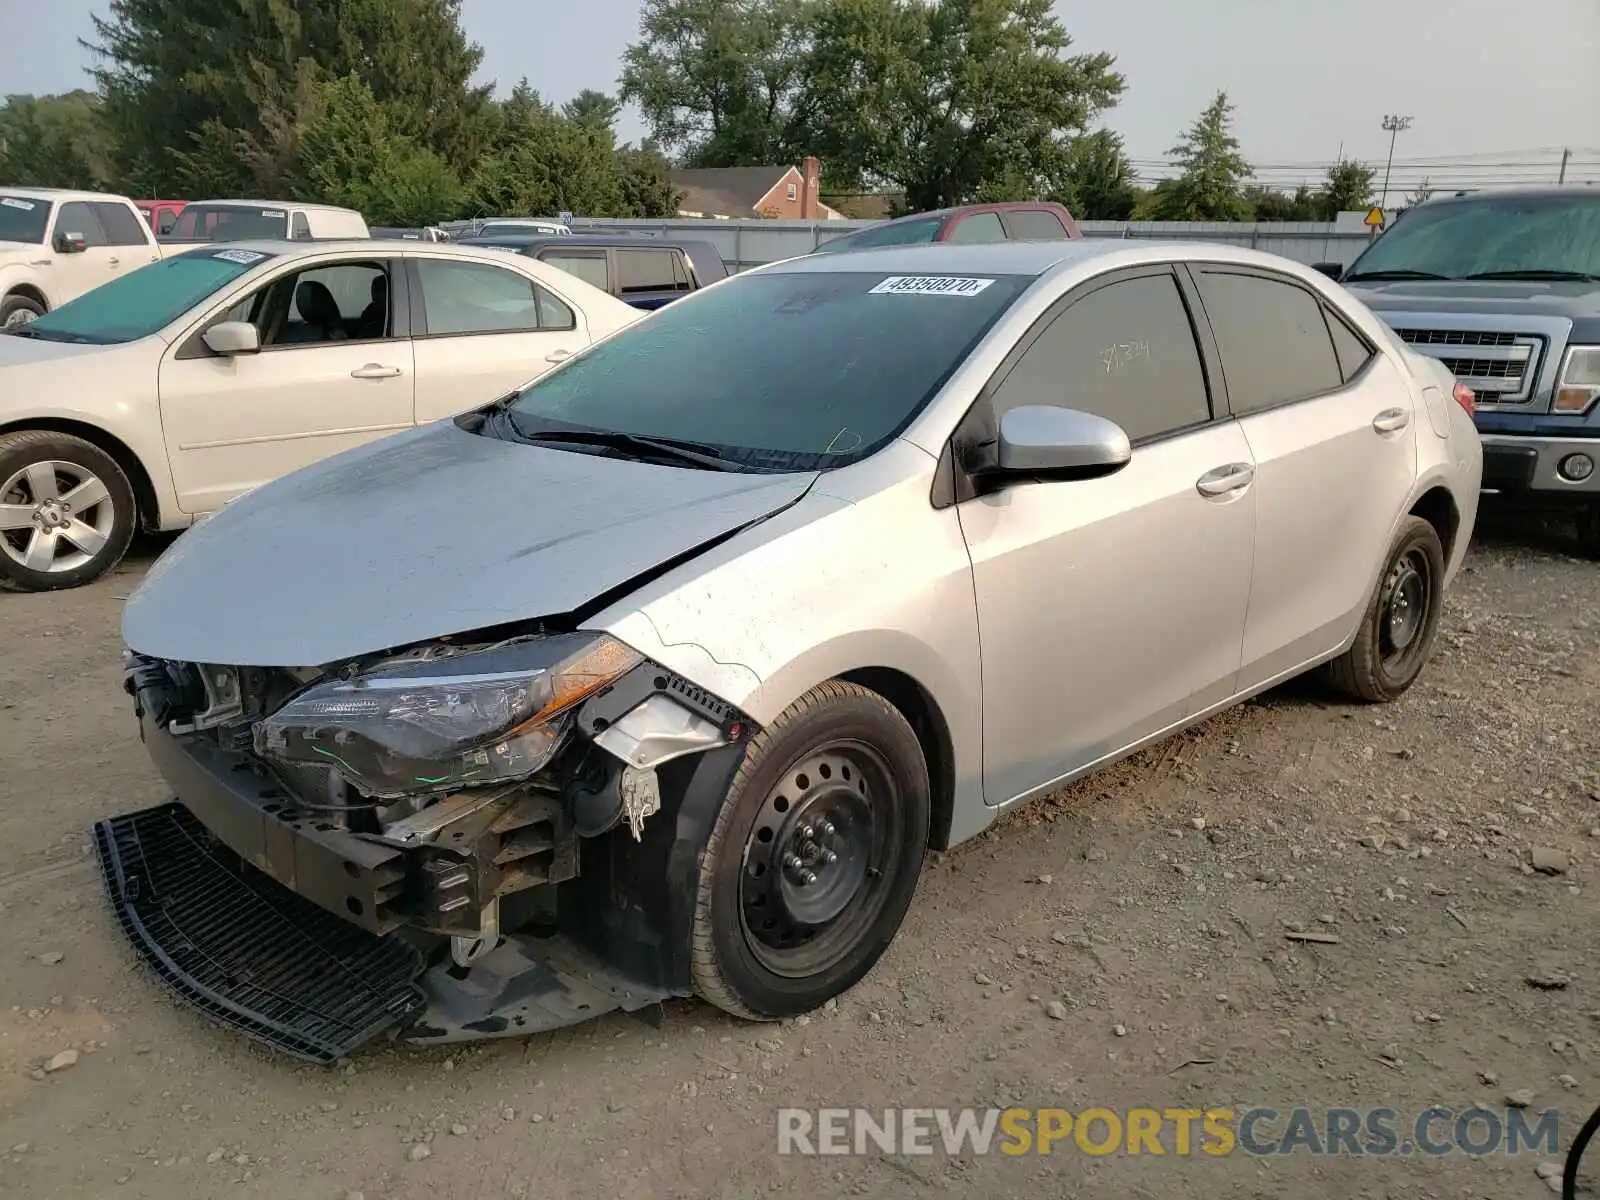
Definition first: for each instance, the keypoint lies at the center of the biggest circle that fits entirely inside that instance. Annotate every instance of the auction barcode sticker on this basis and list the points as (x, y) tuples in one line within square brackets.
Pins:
[(13, 202), (930, 285)]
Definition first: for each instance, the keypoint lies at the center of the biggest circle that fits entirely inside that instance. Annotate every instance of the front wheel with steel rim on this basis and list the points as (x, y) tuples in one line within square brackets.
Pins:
[(814, 856), (1398, 628), (67, 511)]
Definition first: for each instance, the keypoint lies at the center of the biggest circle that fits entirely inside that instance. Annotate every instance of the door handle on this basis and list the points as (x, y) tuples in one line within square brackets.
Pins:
[(556, 356), (1391, 420), (1222, 480), (374, 371)]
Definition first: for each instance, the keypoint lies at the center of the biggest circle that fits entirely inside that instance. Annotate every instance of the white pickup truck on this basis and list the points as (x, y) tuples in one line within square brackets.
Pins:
[(254, 220), (55, 245)]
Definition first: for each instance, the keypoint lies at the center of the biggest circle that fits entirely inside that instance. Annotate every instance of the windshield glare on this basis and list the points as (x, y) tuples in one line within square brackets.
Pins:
[(137, 304), (23, 219), (1492, 234), (230, 222), (799, 370)]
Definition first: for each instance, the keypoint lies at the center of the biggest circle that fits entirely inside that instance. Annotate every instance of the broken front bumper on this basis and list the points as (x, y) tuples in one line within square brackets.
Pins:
[(301, 934)]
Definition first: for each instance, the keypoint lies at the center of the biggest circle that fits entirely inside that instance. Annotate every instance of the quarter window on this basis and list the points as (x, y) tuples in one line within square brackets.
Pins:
[(1273, 340), (1348, 345), (984, 227), (122, 225), (461, 298), (1126, 352)]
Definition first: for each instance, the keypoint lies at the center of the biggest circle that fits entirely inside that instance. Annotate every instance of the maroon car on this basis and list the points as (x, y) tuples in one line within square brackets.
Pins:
[(1017, 221)]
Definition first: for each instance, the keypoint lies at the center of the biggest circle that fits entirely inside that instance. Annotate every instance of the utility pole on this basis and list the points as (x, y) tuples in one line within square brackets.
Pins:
[(1394, 125), (1565, 155)]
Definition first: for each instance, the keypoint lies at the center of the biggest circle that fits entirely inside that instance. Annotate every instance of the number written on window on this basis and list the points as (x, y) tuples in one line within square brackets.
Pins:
[(1126, 352)]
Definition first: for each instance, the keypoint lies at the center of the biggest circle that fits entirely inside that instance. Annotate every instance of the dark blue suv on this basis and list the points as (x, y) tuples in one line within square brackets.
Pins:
[(645, 272)]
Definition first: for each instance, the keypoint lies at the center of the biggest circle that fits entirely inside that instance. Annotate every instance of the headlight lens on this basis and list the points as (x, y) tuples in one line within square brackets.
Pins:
[(480, 717), (1579, 384)]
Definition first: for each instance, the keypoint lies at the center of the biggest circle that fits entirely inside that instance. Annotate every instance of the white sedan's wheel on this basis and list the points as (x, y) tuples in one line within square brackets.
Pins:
[(67, 511)]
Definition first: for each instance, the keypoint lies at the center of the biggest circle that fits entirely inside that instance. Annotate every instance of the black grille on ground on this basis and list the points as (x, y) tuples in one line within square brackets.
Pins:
[(245, 950)]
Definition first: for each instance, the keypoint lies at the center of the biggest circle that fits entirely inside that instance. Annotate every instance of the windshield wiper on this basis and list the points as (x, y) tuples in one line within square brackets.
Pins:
[(1535, 273), (1397, 273), (638, 445)]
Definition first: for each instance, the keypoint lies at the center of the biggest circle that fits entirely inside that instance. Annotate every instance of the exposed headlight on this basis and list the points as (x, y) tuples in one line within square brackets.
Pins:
[(484, 716), (1579, 383)]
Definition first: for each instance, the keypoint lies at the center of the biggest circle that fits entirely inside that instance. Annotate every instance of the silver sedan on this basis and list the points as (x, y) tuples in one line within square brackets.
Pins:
[(681, 656)]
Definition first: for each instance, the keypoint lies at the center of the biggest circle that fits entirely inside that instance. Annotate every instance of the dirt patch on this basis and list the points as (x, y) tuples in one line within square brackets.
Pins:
[(1299, 903)]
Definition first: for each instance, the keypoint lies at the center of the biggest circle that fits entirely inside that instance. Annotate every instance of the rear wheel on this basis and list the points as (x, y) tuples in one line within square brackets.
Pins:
[(1397, 632), (814, 856), (67, 511), (16, 311)]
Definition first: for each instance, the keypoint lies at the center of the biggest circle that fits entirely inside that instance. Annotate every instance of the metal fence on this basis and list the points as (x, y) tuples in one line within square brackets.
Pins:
[(750, 243)]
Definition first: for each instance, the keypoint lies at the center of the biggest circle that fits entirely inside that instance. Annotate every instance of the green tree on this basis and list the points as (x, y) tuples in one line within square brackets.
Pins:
[(592, 108), (1213, 170), (946, 102), (1348, 188), (1096, 180), (718, 81), (55, 141), (644, 181), (350, 154), (190, 86), (1270, 204), (1424, 190)]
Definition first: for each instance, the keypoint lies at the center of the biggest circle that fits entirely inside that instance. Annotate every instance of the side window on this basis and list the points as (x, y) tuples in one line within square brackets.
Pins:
[(345, 302), (984, 227), (1126, 352), (1274, 343), (165, 220), (122, 225), (591, 268), (645, 271), (78, 217), (1035, 225), (462, 298), (299, 228), (1348, 345)]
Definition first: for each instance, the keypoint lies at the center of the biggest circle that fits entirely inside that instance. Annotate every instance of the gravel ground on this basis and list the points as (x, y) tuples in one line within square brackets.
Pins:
[(1127, 942)]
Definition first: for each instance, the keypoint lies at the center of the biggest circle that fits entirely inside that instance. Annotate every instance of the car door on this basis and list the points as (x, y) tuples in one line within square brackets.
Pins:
[(127, 235), (79, 271), (1331, 428), (482, 330), (1110, 609), (334, 371)]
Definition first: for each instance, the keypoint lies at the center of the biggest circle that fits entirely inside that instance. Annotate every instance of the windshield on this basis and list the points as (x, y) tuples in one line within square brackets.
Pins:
[(525, 228), (23, 219), (799, 370), (892, 233), (137, 304), (230, 223), (1496, 235)]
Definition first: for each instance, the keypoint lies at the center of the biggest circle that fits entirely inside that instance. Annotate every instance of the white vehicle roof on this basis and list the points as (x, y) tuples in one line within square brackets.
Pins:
[(285, 204), (58, 195)]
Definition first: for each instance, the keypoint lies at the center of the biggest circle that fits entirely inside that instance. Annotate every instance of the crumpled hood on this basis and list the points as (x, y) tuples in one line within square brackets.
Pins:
[(432, 532)]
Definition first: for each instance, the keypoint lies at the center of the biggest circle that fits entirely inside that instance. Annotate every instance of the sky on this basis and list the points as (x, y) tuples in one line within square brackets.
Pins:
[(1495, 90)]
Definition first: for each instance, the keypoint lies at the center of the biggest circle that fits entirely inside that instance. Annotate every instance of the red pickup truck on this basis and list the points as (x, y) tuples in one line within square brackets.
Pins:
[(1015, 221), (161, 215)]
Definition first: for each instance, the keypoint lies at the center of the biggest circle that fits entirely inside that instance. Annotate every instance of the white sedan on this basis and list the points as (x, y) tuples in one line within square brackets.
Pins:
[(159, 397)]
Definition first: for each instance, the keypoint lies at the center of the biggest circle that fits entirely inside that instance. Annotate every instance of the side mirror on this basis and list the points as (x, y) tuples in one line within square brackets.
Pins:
[(232, 338), (1334, 271), (71, 243), (1044, 442)]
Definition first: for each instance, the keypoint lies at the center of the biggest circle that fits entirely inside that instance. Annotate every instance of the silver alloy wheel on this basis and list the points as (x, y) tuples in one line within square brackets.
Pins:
[(55, 516), (18, 318)]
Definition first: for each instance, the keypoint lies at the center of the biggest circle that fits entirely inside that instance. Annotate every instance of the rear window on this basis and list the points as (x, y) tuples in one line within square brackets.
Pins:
[(791, 370), (23, 219), (892, 233), (135, 305), (231, 222)]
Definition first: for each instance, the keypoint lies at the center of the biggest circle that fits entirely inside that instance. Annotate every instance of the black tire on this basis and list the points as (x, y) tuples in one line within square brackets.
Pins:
[(882, 809), (13, 306), (1375, 669), (1589, 530), (21, 450)]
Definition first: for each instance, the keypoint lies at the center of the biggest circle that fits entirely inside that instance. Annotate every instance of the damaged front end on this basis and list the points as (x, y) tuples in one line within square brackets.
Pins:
[(453, 841)]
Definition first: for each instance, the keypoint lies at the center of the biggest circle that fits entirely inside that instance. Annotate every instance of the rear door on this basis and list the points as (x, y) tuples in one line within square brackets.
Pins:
[(1332, 429), (335, 371), (482, 330)]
